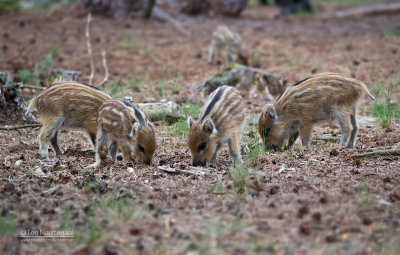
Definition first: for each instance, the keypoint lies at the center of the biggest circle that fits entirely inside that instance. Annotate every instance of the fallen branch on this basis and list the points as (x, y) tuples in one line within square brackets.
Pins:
[(394, 152), (372, 9), (328, 138), (103, 53), (89, 48), (19, 127), (200, 169), (179, 171), (163, 16), (26, 86)]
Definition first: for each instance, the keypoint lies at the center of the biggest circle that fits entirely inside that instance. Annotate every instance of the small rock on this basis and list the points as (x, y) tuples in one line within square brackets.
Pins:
[(331, 239), (18, 162), (303, 211), (334, 152), (317, 217), (135, 231), (305, 229), (366, 221)]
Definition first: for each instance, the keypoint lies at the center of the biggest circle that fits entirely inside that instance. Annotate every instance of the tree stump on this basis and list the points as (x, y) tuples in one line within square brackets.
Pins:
[(12, 109)]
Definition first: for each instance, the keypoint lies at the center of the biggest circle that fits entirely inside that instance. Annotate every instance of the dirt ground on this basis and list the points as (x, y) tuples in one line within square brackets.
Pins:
[(315, 200)]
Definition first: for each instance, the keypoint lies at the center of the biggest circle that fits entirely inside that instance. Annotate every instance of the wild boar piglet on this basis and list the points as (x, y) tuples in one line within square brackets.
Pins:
[(321, 97), (219, 121), (67, 105), (123, 125)]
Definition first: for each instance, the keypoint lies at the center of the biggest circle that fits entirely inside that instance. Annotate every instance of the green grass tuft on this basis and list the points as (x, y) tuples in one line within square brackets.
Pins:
[(193, 110), (239, 176), (9, 5), (180, 128), (384, 108), (7, 226), (25, 75), (392, 247), (365, 198), (117, 88)]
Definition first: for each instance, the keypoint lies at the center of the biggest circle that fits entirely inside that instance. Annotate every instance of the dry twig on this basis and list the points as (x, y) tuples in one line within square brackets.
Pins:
[(328, 138), (19, 127), (89, 48), (103, 53), (395, 152), (170, 170)]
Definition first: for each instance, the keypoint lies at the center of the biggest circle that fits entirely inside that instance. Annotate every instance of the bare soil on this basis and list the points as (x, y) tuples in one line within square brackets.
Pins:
[(314, 200)]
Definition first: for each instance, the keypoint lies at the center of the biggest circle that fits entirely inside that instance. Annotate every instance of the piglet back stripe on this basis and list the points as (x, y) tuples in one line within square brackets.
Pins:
[(67, 85), (85, 84), (138, 114), (294, 85), (299, 82), (213, 102)]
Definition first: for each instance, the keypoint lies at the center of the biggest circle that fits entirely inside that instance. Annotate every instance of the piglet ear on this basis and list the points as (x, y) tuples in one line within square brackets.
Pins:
[(190, 122), (209, 127), (134, 130), (269, 111)]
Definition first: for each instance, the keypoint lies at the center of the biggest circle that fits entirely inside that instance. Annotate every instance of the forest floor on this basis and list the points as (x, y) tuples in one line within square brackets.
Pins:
[(319, 199)]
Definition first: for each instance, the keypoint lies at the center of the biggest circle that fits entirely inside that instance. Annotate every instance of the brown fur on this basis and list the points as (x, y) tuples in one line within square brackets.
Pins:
[(322, 97), (228, 45), (122, 125), (220, 121), (67, 105)]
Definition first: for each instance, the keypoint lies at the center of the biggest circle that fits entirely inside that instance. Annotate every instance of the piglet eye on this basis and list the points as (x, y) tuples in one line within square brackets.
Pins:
[(140, 148), (202, 146)]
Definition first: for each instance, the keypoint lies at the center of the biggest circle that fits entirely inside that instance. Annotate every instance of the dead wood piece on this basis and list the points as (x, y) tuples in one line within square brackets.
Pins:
[(168, 111), (244, 78), (328, 138), (373, 9), (19, 127), (163, 16), (59, 75), (200, 169), (394, 152), (179, 171)]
